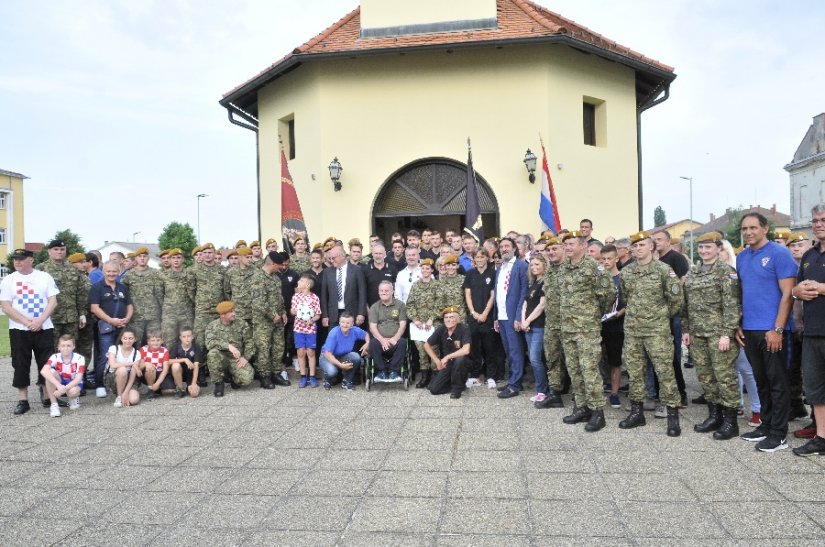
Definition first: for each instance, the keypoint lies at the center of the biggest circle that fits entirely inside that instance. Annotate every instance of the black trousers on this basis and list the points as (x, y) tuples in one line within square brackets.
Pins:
[(23, 344), (450, 379), (771, 374), (486, 352), (395, 356)]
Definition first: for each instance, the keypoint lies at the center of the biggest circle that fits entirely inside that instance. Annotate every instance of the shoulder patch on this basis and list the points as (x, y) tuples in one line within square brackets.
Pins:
[(734, 275), (676, 289), (671, 273)]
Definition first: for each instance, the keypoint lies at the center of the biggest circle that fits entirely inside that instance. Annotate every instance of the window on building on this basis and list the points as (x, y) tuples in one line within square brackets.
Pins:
[(2, 200), (292, 139), (594, 122), (286, 133), (2, 235), (4, 271)]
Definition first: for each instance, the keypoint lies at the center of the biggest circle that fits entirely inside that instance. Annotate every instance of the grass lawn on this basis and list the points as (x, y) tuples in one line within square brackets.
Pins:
[(5, 346)]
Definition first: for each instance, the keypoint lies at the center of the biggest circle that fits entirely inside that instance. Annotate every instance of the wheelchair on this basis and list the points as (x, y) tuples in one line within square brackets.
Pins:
[(369, 369)]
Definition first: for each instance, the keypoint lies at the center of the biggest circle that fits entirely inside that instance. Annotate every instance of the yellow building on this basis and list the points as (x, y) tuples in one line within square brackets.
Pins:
[(394, 89), (11, 213)]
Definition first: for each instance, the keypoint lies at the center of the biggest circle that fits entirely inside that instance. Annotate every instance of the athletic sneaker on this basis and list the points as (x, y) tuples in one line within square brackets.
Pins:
[(285, 375), (295, 365), (614, 401), (347, 386), (54, 410), (118, 402), (327, 385), (395, 377), (100, 392), (771, 444), (814, 447), (538, 397), (74, 404), (491, 384), (755, 436), (302, 382), (313, 382)]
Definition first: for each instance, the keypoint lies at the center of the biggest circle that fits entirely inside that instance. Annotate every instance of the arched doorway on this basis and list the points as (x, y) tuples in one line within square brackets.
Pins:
[(430, 193)]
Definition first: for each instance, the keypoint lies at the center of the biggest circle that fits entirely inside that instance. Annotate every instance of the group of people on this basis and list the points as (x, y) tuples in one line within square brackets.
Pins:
[(455, 311)]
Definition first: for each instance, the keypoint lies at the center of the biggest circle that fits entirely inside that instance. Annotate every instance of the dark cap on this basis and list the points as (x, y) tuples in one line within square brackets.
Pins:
[(276, 257), (21, 253), (56, 243)]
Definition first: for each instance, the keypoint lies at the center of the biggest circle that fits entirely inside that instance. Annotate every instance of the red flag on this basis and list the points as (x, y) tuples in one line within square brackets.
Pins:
[(292, 219)]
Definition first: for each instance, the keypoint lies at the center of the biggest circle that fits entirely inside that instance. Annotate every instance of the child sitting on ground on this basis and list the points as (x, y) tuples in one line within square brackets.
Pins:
[(307, 310), (186, 362), (154, 368), (63, 373), (124, 362)]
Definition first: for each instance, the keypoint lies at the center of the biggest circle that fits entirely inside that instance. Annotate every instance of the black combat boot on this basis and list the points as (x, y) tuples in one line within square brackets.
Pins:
[(551, 400), (730, 427), (266, 382), (596, 421), (276, 378), (636, 417), (218, 389), (425, 379), (579, 414), (712, 422), (673, 429)]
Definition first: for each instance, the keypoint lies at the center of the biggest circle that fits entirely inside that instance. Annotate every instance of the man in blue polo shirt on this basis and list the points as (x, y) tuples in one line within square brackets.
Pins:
[(767, 273), (811, 289), (110, 302), (338, 355)]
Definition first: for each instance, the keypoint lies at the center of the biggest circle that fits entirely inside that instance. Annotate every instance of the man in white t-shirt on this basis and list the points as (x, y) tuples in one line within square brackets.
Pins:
[(28, 297)]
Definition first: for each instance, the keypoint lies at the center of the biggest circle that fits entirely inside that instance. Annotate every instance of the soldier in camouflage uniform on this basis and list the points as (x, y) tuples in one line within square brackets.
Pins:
[(238, 285), (232, 259), (257, 255), (452, 288), (553, 351), (144, 288), (711, 315), (165, 263), (268, 320), (586, 293), (85, 336), (653, 295), (208, 283), (300, 261), (177, 300), (229, 349), (424, 310), (70, 314)]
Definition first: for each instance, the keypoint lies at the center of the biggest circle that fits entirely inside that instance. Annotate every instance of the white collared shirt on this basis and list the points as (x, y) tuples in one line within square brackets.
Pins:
[(404, 281)]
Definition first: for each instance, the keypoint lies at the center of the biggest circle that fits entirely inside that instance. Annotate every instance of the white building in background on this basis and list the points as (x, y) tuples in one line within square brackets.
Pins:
[(126, 247), (807, 172)]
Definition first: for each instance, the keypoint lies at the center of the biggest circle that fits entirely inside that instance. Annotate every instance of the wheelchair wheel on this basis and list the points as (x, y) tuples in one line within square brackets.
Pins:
[(406, 383), (367, 383)]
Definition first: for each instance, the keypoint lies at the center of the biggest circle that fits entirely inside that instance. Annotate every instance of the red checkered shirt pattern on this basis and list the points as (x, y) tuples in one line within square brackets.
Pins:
[(155, 357), (67, 371), (311, 300)]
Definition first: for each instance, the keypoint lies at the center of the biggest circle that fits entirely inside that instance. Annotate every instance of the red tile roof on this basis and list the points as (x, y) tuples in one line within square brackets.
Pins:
[(517, 21)]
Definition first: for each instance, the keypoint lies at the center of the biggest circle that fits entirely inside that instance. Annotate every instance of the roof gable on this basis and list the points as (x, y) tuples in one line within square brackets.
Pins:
[(813, 143), (518, 21)]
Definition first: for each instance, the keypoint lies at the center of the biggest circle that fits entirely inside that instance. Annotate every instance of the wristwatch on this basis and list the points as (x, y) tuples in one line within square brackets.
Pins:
[(778, 330)]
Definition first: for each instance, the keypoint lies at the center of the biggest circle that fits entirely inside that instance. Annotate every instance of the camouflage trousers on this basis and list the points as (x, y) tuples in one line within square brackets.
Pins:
[(554, 356), (716, 370), (65, 328), (582, 352), (202, 320), (425, 363), (659, 348), (269, 346), (85, 341), (142, 328), (223, 364), (173, 321)]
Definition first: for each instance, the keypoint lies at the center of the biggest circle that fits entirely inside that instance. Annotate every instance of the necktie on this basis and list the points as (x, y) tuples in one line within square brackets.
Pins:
[(340, 285), (507, 279)]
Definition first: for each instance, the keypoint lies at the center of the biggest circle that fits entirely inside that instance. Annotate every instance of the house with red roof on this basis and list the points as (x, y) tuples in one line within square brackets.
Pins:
[(389, 96)]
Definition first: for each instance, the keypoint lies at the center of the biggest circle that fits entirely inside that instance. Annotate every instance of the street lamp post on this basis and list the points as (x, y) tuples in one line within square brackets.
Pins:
[(134, 236), (690, 184), (199, 216)]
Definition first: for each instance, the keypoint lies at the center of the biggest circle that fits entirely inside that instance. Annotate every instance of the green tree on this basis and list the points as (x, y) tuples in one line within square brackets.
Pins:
[(73, 245), (179, 236), (659, 218), (731, 230)]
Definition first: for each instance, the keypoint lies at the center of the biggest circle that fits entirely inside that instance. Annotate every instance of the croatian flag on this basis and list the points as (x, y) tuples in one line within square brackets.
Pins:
[(548, 207)]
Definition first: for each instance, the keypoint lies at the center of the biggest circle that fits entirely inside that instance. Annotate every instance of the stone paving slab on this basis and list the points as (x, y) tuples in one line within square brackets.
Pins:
[(389, 467)]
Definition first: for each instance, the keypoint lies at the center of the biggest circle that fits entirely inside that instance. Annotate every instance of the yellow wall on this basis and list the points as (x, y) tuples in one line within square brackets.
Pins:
[(679, 228), (18, 238), (392, 13), (377, 114)]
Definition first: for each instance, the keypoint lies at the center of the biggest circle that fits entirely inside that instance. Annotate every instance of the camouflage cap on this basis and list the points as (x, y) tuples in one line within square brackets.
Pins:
[(450, 259), (571, 233), (163, 253), (175, 252), (270, 241), (427, 262), (450, 309), (710, 237), (782, 233), (243, 251), (240, 243), (74, 258), (142, 251), (796, 237), (225, 307), (196, 250), (254, 243), (638, 236), (206, 246), (233, 252)]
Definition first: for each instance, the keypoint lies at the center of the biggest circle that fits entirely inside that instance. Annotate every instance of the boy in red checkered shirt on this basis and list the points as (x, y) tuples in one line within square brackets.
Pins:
[(306, 307), (154, 366), (63, 373)]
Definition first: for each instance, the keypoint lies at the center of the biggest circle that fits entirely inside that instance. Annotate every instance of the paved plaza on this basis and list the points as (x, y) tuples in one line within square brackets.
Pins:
[(309, 467)]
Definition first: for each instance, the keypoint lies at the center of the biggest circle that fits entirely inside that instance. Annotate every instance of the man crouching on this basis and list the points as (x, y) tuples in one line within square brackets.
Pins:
[(229, 344), (453, 342)]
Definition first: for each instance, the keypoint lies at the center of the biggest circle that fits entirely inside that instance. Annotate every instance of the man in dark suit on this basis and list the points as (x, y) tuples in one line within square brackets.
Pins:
[(511, 291), (344, 288)]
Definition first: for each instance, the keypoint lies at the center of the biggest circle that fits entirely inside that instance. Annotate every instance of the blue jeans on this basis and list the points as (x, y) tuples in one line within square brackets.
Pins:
[(745, 374), (105, 341), (535, 350), (514, 349), (331, 372)]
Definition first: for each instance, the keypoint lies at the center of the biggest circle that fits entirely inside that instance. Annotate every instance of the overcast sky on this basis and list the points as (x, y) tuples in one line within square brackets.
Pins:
[(110, 106)]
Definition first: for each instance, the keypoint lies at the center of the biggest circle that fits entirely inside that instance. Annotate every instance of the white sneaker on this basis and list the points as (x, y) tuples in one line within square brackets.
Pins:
[(54, 410), (538, 397), (471, 382), (74, 404), (101, 392), (284, 375), (491, 383), (118, 402)]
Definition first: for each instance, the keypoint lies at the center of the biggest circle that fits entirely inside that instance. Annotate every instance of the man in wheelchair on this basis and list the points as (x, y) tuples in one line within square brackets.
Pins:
[(388, 321), (452, 340)]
